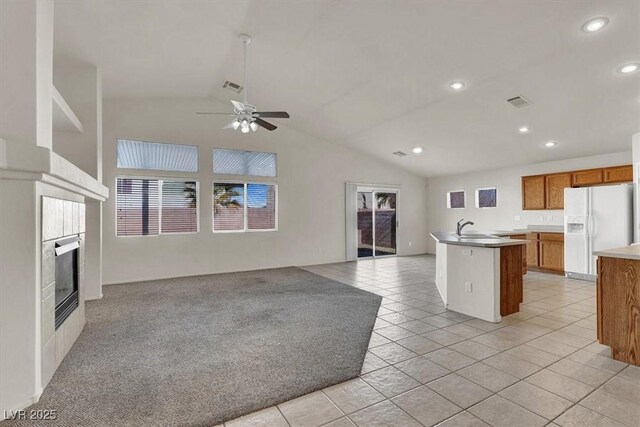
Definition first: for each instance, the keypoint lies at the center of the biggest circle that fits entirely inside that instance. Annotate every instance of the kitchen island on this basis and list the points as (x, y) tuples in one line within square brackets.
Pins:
[(618, 302), (479, 274)]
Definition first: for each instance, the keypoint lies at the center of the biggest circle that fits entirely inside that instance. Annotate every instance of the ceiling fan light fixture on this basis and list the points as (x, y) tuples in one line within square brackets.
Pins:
[(244, 129), (235, 124), (253, 126)]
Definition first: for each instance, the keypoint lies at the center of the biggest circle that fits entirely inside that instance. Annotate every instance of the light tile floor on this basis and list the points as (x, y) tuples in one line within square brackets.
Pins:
[(430, 366)]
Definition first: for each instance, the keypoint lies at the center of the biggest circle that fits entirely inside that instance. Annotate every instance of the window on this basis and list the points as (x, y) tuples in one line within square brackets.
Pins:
[(152, 206), (455, 199), (249, 163), (156, 156), (486, 197), (244, 207)]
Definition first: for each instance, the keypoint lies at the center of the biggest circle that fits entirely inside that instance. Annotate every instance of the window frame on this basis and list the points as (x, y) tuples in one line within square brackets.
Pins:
[(245, 206), (160, 180), (213, 164), (159, 170), (477, 204), (464, 196)]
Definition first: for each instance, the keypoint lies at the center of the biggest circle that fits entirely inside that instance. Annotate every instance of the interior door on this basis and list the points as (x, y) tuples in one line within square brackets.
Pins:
[(385, 223), (365, 224)]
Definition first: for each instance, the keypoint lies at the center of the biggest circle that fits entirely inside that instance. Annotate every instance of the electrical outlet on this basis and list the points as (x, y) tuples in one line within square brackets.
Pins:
[(549, 217), (517, 217), (468, 252), (541, 218), (467, 286)]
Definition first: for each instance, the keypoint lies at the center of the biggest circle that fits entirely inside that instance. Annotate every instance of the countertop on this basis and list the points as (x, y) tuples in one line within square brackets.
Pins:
[(627, 252), (476, 238)]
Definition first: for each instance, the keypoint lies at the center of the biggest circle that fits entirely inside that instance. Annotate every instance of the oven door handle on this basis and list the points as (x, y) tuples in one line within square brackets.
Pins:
[(62, 249)]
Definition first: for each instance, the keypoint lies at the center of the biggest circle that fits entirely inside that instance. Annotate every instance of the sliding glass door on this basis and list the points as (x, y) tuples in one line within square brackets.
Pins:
[(376, 224)]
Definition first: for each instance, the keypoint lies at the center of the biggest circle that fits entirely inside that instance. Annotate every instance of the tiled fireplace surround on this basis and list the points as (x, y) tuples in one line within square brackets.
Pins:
[(60, 219)]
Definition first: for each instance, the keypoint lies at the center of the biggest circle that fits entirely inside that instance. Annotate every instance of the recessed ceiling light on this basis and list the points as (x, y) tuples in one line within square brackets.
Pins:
[(523, 129), (595, 24), (628, 68), (416, 150), (457, 85), (550, 144)]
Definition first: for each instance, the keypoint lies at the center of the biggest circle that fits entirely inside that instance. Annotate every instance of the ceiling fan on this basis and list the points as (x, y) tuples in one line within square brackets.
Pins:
[(246, 117)]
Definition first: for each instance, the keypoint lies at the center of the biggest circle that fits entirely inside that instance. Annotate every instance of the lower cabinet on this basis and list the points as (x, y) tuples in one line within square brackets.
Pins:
[(545, 251)]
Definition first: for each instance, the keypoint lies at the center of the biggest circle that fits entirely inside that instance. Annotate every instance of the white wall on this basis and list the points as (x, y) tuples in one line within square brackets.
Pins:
[(312, 175), (508, 183), (636, 185)]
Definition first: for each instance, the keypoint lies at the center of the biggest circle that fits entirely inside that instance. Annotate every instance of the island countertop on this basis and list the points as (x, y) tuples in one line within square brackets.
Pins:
[(477, 239), (627, 252)]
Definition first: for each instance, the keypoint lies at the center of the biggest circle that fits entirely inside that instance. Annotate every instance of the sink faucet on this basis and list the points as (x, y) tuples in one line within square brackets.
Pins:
[(461, 226)]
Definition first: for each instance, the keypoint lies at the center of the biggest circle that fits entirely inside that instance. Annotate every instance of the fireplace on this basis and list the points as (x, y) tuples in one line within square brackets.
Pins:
[(66, 285)]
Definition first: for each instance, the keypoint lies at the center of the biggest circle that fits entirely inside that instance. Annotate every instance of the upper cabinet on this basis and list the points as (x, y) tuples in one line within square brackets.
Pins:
[(588, 177), (555, 185), (618, 174), (533, 192), (547, 191)]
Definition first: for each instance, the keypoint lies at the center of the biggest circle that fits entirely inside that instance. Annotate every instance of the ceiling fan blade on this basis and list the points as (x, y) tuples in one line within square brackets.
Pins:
[(274, 114), (238, 105), (266, 125), (207, 112)]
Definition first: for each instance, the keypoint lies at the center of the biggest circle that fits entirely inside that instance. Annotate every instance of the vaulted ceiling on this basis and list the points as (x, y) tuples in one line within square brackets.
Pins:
[(374, 75)]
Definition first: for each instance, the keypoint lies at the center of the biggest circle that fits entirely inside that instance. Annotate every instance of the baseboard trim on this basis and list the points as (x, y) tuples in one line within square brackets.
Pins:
[(22, 405)]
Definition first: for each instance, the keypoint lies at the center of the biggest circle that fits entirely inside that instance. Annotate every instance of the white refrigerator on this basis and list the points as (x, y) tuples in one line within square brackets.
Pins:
[(595, 218)]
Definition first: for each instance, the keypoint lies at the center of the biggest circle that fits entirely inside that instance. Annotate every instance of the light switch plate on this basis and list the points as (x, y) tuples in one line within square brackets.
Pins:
[(517, 217), (468, 252), (467, 287)]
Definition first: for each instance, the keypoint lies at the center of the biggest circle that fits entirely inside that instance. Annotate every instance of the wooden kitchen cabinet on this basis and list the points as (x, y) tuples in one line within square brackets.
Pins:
[(618, 304), (532, 250), (554, 190), (587, 177), (545, 251), (533, 192), (551, 251), (541, 192), (618, 174)]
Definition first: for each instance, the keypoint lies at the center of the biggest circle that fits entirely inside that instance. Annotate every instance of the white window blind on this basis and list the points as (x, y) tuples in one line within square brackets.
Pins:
[(261, 206), (239, 162), (156, 206), (156, 156), (137, 203), (244, 207), (179, 207), (228, 207)]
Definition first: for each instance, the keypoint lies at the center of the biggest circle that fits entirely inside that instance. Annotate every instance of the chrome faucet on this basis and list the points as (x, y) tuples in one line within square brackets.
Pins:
[(461, 226)]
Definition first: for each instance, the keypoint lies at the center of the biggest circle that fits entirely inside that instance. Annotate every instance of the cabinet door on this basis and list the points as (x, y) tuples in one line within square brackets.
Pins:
[(532, 250), (618, 174), (532, 192), (552, 255), (555, 185), (587, 177)]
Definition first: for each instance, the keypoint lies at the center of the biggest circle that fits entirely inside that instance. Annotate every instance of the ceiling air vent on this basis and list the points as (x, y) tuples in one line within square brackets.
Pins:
[(400, 153), (232, 86), (519, 101)]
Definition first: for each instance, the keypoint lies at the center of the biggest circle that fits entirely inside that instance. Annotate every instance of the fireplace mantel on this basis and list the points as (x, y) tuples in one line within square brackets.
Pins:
[(29, 162)]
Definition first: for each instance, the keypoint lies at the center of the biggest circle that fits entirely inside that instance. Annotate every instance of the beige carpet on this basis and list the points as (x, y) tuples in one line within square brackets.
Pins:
[(201, 350)]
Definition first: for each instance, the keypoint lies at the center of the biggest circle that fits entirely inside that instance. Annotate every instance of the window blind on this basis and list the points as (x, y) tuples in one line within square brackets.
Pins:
[(244, 206), (261, 206), (156, 156), (137, 204), (179, 207), (239, 162), (228, 207)]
